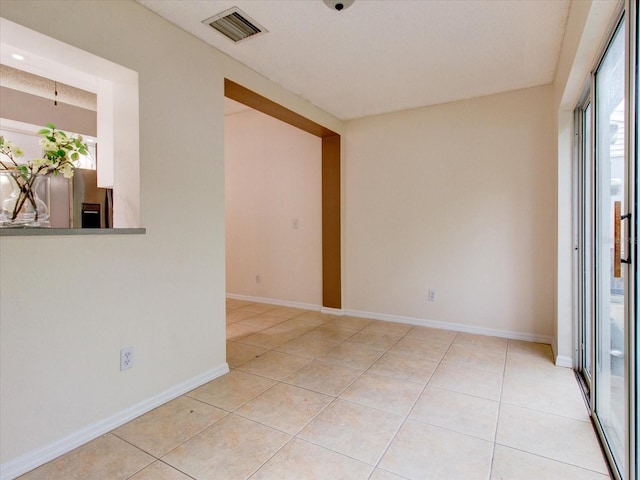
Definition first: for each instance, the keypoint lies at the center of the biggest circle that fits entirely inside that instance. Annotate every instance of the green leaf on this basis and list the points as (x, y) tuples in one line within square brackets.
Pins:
[(75, 156), (44, 131), (62, 134), (51, 126), (61, 153)]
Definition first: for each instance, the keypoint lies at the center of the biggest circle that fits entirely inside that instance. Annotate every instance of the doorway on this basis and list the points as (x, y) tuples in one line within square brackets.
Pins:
[(331, 199)]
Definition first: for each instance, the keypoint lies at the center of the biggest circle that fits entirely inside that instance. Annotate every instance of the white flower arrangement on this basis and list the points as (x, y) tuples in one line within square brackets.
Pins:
[(60, 152)]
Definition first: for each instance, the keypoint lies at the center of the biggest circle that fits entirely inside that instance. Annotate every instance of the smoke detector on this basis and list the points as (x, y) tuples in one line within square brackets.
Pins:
[(338, 5), (235, 25)]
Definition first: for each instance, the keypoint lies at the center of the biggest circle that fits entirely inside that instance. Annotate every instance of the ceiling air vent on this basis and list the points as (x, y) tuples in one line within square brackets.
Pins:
[(235, 24)]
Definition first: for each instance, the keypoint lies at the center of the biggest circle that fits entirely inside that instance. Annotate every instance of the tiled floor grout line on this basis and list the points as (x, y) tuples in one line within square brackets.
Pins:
[(155, 459), (524, 407), (406, 417), (495, 433), (176, 469), (268, 459), (395, 434), (337, 397), (278, 346), (227, 413), (294, 436), (554, 460), (282, 381), (348, 401), (459, 364), (501, 402), (159, 459)]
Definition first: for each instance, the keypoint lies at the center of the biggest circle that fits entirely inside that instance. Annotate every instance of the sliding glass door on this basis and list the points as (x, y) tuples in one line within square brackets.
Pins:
[(584, 190), (609, 279), (606, 179)]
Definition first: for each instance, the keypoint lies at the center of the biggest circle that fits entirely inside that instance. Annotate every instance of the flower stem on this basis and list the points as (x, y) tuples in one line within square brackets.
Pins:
[(26, 192)]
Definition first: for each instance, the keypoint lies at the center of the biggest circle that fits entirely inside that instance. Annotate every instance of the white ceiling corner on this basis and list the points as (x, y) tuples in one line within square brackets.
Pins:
[(388, 55)]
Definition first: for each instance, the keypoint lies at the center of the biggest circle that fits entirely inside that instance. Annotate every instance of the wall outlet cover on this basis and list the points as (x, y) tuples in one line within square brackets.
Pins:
[(126, 358)]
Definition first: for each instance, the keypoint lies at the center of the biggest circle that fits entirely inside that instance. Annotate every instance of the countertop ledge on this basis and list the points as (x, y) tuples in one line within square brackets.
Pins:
[(48, 232)]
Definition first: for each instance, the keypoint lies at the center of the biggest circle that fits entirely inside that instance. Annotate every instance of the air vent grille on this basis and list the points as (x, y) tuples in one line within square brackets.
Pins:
[(235, 24)]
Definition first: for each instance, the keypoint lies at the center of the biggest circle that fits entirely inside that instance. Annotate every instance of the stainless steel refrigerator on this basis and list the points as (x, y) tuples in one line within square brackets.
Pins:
[(79, 202)]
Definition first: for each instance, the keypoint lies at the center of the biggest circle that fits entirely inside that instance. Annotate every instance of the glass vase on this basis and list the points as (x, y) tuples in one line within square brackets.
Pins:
[(24, 199)]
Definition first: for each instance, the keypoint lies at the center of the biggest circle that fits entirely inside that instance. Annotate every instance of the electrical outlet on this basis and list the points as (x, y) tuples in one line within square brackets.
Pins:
[(126, 358), (431, 296)]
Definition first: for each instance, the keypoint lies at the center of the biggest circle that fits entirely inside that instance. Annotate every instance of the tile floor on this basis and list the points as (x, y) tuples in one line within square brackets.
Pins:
[(312, 396)]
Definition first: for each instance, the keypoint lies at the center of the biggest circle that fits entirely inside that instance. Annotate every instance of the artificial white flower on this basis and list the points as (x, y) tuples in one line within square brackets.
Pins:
[(13, 149), (47, 145), (53, 143), (67, 170), (39, 164)]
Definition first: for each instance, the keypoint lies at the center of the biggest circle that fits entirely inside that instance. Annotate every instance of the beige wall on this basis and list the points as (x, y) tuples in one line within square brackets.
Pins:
[(66, 311), (273, 176), (460, 198), (36, 110)]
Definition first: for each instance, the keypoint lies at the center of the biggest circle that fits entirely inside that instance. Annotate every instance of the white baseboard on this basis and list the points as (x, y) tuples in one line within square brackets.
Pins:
[(275, 301), (457, 327), (332, 311), (564, 361), (24, 463), (560, 360)]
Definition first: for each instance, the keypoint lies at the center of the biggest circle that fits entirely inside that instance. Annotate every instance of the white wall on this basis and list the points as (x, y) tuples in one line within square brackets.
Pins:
[(458, 197), (66, 311), (273, 176)]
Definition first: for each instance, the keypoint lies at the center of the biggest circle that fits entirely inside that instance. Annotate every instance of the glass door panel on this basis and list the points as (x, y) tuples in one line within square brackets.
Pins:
[(609, 282), (586, 182)]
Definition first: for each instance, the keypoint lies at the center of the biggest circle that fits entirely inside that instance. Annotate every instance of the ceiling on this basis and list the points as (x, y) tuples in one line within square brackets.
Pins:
[(379, 56)]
